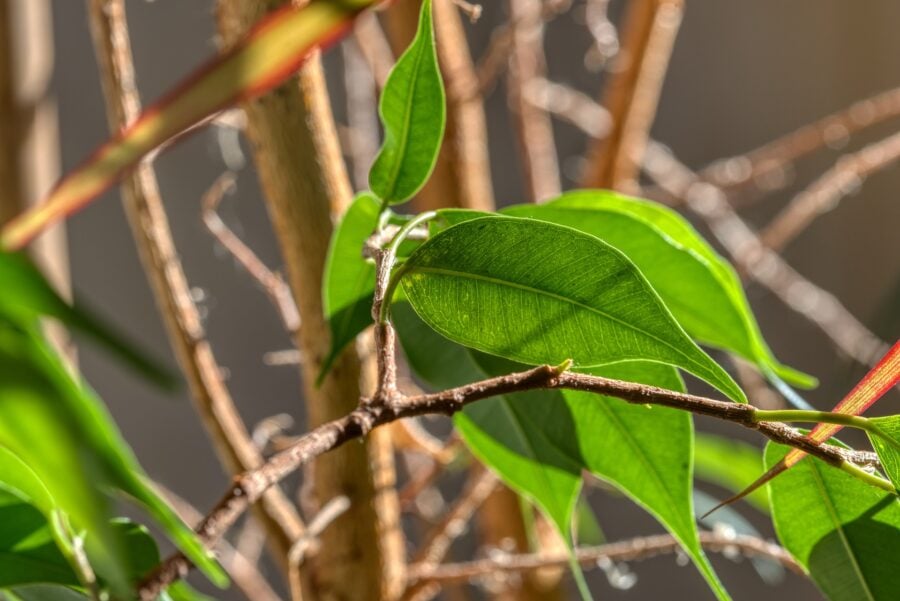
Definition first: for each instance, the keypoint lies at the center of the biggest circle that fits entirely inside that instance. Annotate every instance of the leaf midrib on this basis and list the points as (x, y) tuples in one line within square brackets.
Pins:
[(499, 282)]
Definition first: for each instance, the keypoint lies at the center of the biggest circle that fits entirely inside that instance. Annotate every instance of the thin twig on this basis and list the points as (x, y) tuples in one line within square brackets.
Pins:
[(740, 171), (761, 263), (374, 46), (150, 226), (533, 126), (362, 113), (827, 191), (328, 514), (272, 283), (636, 549), (632, 95), (248, 487)]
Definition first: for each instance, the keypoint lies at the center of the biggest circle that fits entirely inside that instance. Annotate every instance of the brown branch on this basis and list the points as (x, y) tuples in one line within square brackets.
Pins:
[(248, 487), (272, 283), (362, 109), (632, 95), (636, 549), (764, 265), (827, 191), (754, 166), (153, 237), (533, 126), (305, 184)]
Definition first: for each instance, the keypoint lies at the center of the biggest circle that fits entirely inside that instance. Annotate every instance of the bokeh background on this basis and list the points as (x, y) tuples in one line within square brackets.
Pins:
[(743, 72)]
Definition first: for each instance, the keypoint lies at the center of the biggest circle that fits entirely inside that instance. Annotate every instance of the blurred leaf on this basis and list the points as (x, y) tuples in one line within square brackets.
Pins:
[(731, 464), (537, 292), (268, 55), (43, 592), (413, 112), (846, 533), (699, 287), (349, 281), (63, 434), (27, 297)]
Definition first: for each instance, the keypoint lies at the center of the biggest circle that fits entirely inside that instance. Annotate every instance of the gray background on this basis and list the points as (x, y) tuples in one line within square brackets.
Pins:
[(742, 73)]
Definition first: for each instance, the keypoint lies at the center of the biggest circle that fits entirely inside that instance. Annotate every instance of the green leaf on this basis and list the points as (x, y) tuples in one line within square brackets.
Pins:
[(413, 113), (731, 464), (537, 292), (349, 281), (43, 592), (887, 452), (540, 441), (63, 434), (699, 287), (845, 532), (27, 297)]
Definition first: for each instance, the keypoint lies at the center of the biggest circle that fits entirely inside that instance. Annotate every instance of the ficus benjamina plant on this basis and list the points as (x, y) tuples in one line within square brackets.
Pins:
[(555, 334)]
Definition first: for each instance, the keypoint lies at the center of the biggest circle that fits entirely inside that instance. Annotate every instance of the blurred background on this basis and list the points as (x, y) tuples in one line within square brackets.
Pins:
[(742, 73)]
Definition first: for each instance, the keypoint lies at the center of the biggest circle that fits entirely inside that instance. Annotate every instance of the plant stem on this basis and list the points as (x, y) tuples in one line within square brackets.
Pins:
[(826, 417)]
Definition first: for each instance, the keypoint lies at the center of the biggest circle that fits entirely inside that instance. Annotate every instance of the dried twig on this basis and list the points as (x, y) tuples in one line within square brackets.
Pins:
[(533, 126), (632, 95), (636, 549), (154, 240), (760, 262), (248, 487), (827, 191), (272, 283), (328, 514)]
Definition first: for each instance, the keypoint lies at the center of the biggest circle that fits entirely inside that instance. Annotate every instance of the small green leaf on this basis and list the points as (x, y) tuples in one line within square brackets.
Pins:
[(887, 452), (43, 592), (349, 280), (731, 464), (699, 287), (413, 113), (536, 292), (27, 296), (845, 532)]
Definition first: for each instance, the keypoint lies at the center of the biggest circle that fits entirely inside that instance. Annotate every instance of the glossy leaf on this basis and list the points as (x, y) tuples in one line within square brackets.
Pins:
[(61, 431), (270, 53), (731, 464), (540, 441), (699, 287), (413, 112), (349, 281), (27, 297), (846, 533), (887, 452), (537, 292)]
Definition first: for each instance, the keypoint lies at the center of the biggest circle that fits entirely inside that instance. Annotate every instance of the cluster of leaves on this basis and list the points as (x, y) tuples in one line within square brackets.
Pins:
[(618, 286), (622, 288)]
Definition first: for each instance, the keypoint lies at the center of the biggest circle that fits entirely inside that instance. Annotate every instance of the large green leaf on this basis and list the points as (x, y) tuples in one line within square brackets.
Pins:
[(699, 287), (539, 442), (61, 431), (413, 113), (537, 292), (349, 281), (732, 464), (27, 296), (845, 532)]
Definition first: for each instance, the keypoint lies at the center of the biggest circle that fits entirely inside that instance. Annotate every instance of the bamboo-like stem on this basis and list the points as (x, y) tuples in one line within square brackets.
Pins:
[(826, 192), (636, 549), (305, 183), (632, 95), (462, 174), (358, 424), (146, 214), (533, 126)]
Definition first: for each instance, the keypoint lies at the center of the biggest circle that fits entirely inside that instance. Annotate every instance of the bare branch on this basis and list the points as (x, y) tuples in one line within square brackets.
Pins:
[(272, 283), (163, 268), (328, 514), (827, 191), (248, 487), (632, 95), (631, 550)]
